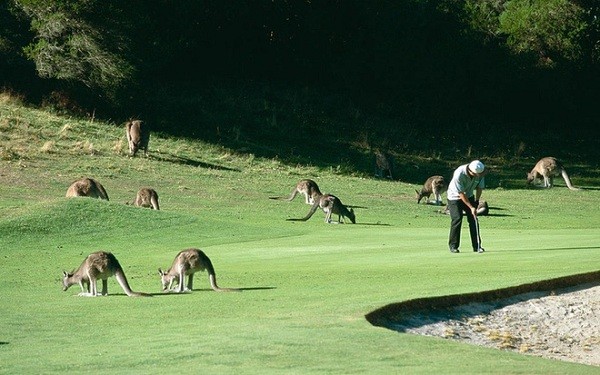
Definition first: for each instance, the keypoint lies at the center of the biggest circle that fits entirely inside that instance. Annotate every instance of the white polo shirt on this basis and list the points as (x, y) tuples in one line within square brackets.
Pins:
[(462, 183)]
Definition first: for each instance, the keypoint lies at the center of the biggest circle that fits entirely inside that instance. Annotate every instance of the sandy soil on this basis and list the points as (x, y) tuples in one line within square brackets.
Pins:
[(564, 325)]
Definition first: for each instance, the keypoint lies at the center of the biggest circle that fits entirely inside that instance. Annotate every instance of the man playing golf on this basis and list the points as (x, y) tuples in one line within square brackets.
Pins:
[(465, 179)]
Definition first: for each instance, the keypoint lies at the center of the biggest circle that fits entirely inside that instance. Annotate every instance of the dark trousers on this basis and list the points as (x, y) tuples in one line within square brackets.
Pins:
[(457, 210)]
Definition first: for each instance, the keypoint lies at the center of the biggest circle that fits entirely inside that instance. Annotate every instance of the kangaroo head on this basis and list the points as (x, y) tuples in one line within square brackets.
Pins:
[(351, 216), (166, 278), (420, 195), (65, 281), (530, 177)]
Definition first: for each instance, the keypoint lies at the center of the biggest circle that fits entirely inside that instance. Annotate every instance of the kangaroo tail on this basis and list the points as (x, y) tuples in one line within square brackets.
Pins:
[(212, 278), (313, 209), (293, 195), (567, 180), (122, 280), (279, 198)]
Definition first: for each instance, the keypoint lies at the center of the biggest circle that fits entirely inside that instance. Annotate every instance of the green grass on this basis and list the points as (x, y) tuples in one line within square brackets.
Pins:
[(306, 285)]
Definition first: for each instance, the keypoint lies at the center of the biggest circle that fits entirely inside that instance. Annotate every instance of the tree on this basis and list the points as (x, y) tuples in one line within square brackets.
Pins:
[(551, 30), (67, 46)]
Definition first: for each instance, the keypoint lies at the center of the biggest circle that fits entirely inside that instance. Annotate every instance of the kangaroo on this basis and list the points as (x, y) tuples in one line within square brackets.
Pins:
[(330, 204), (306, 187), (384, 164), (147, 197), (435, 185), (547, 168), (137, 137), (483, 209), (98, 265), (188, 262), (87, 187)]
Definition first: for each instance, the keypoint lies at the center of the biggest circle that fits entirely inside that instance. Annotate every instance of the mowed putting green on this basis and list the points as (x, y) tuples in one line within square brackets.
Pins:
[(306, 286)]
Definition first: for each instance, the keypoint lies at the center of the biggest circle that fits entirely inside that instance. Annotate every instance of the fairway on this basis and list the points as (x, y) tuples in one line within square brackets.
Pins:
[(301, 309), (305, 286)]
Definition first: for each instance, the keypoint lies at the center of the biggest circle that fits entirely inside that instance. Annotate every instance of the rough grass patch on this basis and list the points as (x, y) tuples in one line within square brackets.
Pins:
[(118, 147), (64, 131), (85, 147), (48, 147), (8, 154)]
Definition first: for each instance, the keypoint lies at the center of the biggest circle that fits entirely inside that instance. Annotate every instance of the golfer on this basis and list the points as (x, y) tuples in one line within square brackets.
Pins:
[(466, 179)]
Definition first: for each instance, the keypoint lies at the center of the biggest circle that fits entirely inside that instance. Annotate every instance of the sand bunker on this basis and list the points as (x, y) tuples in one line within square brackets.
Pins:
[(560, 323)]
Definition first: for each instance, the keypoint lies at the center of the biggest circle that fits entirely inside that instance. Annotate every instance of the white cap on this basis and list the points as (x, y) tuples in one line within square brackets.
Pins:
[(476, 166)]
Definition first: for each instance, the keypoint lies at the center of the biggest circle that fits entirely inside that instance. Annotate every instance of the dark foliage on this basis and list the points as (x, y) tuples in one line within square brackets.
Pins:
[(416, 75)]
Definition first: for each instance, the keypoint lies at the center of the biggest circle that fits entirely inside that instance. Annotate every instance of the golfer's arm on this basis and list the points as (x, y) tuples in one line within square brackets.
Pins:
[(478, 193), (463, 197)]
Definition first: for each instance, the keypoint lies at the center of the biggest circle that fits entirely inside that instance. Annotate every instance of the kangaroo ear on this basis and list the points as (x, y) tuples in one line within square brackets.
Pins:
[(65, 274), (160, 272)]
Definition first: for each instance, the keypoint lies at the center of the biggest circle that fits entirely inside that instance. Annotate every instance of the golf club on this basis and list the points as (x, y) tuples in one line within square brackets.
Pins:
[(479, 249)]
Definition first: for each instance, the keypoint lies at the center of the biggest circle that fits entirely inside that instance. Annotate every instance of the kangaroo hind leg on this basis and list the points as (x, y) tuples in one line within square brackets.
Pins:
[(181, 286), (93, 288), (190, 285)]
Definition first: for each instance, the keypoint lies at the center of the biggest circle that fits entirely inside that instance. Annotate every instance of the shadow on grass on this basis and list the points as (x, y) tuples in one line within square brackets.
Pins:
[(558, 249), (357, 224), (210, 290), (375, 224), (422, 311), (167, 157), (240, 289)]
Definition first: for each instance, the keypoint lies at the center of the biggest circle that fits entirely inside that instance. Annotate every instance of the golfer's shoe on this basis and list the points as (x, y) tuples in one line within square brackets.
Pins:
[(453, 250), (480, 250)]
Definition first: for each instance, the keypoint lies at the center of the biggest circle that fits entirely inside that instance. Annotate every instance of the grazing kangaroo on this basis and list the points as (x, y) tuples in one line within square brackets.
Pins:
[(98, 265), (137, 137), (435, 185), (306, 187), (330, 204), (483, 209), (188, 262), (547, 168), (87, 187), (147, 197), (384, 164)]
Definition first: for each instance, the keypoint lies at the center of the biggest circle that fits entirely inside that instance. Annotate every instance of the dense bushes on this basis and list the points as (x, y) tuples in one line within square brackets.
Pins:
[(403, 67)]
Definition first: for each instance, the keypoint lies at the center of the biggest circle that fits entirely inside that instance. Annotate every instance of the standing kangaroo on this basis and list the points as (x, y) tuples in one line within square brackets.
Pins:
[(87, 187), (147, 197), (330, 204), (98, 265), (137, 137), (384, 164), (188, 262), (435, 185), (306, 187), (547, 168)]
